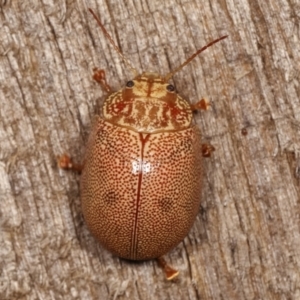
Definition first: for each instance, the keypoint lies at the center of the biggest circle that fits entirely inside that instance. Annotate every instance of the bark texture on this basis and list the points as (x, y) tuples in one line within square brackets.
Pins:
[(245, 243)]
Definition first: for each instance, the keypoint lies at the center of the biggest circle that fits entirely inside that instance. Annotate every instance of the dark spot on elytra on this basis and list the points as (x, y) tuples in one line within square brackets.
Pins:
[(166, 204), (110, 197)]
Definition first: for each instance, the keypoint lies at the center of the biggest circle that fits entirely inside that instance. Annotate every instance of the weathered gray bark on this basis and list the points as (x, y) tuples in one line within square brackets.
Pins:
[(245, 243)]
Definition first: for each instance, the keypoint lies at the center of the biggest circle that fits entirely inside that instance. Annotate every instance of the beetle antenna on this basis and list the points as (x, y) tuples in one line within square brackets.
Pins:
[(171, 74), (126, 61)]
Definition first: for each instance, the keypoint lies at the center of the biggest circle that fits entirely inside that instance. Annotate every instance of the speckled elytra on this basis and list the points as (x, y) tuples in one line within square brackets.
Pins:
[(141, 179)]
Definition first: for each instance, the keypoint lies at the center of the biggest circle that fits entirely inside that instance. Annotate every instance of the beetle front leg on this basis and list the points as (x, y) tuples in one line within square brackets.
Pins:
[(201, 104), (65, 162), (169, 271), (99, 76)]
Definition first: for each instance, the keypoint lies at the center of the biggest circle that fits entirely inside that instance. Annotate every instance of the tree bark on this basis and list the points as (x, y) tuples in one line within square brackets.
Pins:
[(245, 243)]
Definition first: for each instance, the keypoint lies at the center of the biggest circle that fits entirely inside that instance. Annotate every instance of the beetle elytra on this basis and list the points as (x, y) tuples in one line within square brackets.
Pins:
[(141, 179)]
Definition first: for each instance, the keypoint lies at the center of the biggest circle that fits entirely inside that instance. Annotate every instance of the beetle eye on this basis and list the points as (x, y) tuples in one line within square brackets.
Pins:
[(130, 83), (170, 88)]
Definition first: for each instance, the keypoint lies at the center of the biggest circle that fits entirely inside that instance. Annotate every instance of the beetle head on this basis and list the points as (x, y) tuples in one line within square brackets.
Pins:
[(151, 85)]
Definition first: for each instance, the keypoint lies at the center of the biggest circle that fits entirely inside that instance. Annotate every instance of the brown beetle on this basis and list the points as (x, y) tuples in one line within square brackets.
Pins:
[(142, 173)]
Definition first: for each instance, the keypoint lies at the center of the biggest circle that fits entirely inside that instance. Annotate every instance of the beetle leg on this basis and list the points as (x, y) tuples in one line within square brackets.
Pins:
[(201, 104), (65, 162), (169, 271), (99, 76), (207, 150)]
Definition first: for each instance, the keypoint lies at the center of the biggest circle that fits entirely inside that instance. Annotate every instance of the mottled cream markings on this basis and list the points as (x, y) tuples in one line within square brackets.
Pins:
[(148, 107)]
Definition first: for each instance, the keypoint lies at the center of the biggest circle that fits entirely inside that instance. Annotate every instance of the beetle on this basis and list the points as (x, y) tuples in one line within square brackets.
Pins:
[(141, 179)]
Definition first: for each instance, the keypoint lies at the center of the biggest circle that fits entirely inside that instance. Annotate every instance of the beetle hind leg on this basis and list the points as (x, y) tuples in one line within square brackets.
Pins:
[(65, 162), (207, 150), (169, 271)]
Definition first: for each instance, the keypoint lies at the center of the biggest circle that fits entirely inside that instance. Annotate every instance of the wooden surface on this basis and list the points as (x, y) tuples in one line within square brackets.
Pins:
[(245, 243)]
